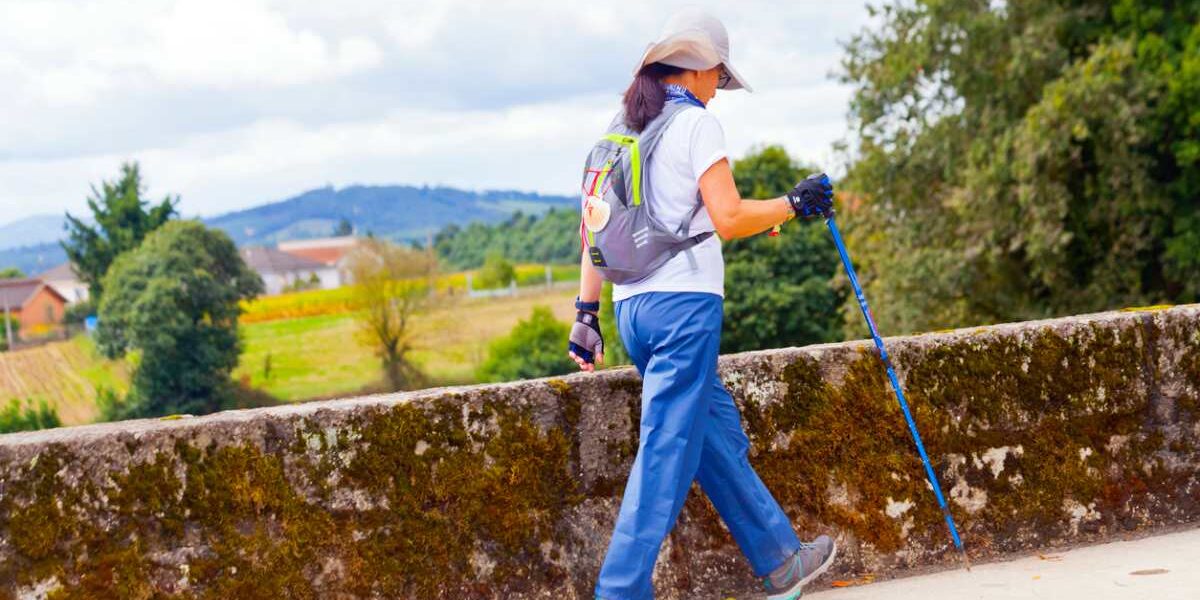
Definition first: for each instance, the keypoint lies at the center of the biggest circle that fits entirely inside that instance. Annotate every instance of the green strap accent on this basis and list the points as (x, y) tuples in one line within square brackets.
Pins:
[(635, 160), (598, 188)]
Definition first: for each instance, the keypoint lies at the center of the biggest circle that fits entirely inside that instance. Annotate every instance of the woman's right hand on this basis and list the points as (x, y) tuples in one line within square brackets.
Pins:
[(812, 197), (586, 343)]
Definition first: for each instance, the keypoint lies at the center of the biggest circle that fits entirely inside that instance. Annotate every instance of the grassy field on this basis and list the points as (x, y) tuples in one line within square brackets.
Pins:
[(323, 356), (66, 374), (316, 354)]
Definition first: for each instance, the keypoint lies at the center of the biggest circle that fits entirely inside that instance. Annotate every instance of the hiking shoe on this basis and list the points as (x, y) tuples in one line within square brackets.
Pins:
[(812, 559)]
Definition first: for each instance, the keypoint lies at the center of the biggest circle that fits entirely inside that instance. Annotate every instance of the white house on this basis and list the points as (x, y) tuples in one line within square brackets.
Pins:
[(66, 282), (281, 269)]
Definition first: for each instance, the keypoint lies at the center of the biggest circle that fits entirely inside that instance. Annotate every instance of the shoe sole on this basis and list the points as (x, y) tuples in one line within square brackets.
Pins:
[(807, 579)]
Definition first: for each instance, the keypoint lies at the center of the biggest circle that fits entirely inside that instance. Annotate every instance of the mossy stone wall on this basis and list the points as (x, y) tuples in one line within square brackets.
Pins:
[(1043, 433)]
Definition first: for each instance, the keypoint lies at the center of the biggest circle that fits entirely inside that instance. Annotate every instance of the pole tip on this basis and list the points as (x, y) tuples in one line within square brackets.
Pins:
[(966, 561)]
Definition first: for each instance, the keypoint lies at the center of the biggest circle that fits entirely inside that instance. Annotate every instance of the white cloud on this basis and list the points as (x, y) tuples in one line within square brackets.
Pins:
[(74, 52), (230, 43), (232, 103)]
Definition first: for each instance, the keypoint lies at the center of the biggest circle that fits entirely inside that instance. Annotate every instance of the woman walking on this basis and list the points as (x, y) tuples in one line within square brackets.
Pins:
[(669, 317)]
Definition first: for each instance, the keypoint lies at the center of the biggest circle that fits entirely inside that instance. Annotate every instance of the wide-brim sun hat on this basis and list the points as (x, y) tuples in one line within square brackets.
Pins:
[(697, 41)]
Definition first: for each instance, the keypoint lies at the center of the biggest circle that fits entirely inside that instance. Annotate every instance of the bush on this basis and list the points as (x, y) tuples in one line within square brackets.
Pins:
[(113, 406), (536, 347), (27, 416), (496, 273)]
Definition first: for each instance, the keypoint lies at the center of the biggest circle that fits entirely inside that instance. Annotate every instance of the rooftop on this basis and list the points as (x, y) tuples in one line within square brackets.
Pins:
[(61, 272), (14, 293), (328, 251), (270, 260)]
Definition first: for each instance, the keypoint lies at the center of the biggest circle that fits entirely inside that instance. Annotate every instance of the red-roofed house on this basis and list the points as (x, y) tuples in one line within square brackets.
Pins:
[(328, 251), (32, 303)]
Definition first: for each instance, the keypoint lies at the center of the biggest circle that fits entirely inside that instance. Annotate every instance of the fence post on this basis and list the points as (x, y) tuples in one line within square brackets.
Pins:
[(549, 277), (8, 325)]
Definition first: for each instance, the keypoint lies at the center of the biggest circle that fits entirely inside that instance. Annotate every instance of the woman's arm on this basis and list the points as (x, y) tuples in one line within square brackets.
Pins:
[(731, 215), (589, 280), (589, 291)]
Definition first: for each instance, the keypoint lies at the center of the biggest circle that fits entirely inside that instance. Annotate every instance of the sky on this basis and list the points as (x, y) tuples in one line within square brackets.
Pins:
[(235, 103)]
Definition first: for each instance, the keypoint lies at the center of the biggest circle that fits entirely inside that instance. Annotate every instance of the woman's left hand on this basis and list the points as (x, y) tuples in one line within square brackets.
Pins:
[(586, 343)]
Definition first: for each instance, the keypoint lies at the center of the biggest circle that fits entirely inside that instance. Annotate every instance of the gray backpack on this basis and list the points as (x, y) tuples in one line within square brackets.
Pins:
[(625, 241)]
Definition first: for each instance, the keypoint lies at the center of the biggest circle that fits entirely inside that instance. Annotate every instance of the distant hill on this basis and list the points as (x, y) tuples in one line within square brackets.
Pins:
[(396, 212), (33, 259), (30, 231)]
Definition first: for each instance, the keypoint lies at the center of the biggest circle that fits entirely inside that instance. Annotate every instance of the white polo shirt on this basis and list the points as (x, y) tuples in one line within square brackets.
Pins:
[(692, 143)]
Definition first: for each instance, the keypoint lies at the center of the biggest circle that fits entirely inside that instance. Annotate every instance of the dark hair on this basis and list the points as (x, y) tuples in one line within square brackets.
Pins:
[(645, 96)]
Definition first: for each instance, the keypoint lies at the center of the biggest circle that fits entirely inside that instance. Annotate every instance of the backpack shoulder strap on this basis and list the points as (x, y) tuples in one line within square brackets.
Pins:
[(650, 136)]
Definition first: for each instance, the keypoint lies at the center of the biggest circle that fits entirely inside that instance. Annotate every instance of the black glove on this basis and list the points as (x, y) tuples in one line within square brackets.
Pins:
[(586, 340), (812, 197)]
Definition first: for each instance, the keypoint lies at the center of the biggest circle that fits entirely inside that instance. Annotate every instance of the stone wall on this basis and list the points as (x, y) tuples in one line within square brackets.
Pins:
[(1043, 433)]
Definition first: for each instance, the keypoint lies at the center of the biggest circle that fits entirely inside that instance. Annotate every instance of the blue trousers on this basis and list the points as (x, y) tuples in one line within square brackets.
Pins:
[(690, 431)]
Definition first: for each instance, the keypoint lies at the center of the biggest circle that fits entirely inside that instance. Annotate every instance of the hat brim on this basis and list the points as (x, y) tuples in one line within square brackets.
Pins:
[(691, 50), (736, 82)]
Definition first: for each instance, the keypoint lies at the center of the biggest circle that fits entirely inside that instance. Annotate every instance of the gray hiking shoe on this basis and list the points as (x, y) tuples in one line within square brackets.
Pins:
[(812, 559)]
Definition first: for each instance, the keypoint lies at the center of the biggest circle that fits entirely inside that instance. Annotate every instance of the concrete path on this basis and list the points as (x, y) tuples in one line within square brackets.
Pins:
[(1162, 567)]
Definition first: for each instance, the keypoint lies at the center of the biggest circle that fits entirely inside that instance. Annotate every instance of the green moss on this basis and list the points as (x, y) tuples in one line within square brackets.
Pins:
[(451, 491), (843, 437), (38, 518), (425, 489), (848, 451)]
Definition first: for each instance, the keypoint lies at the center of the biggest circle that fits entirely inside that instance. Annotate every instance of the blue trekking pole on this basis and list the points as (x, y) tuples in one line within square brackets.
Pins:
[(887, 362)]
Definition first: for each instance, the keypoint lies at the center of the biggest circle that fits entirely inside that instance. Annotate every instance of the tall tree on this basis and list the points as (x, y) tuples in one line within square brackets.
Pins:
[(1026, 158), (174, 301), (391, 283), (122, 219), (778, 290)]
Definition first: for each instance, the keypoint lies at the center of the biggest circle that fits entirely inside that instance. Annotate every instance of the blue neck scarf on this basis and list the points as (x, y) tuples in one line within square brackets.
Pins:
[(678, 93)]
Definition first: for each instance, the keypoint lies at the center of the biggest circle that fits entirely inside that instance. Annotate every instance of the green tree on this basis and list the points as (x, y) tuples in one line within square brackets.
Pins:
[(1026, 159), (174, 301), (343, 228), (123, 218), (11, 273), (778, 290), (16, 415), (536, 347), (496, 272)]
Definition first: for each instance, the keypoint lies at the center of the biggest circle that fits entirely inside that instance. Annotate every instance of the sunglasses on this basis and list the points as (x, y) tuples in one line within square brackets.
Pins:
[(724, 78)]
